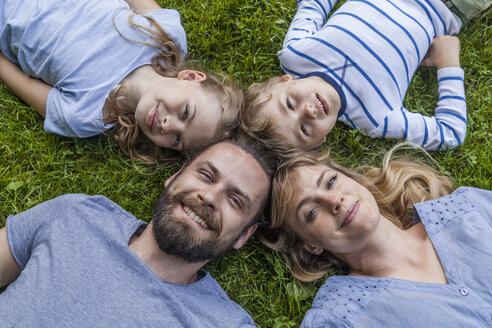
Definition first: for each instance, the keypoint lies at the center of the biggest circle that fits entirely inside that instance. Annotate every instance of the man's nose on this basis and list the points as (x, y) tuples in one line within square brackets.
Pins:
[(209, 196), (309, 111)]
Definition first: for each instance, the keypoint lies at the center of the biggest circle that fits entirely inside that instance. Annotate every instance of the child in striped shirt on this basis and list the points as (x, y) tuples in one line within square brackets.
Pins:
[(356, 67)]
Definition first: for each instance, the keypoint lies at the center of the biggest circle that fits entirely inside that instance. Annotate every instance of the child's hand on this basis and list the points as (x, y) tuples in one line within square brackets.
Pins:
[(443, 52)]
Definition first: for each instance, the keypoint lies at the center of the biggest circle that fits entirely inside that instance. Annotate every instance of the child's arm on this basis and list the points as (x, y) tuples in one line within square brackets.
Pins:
[(142, 7), (33, 91), (311, 15), (447, 128), (9, 269)]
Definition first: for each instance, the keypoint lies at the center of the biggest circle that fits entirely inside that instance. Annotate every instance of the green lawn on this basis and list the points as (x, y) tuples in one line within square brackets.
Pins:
[(241, 38)]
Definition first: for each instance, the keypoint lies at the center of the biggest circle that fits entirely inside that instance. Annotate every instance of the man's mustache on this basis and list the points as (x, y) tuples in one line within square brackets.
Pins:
[(203, 211)]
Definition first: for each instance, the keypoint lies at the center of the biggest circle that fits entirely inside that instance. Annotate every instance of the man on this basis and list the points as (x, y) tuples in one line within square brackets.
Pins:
[(83, 261)]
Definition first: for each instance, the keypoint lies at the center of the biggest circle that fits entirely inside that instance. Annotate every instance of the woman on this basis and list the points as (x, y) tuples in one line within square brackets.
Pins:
[(426, 270)]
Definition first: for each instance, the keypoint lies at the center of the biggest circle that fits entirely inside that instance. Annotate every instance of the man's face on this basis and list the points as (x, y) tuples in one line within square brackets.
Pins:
[(204, 210)]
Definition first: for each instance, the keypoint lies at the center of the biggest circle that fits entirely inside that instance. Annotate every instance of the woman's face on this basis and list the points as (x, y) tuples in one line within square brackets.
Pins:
[(331, 211)]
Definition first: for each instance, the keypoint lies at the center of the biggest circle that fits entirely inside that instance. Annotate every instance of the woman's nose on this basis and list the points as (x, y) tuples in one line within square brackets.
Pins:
[(334, 201)]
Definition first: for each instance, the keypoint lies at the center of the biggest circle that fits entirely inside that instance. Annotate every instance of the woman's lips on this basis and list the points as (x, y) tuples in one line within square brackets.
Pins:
[(351, 213), (152, 116)]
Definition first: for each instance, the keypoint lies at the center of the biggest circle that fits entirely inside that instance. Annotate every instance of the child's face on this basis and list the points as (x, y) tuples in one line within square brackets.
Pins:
[(178, 114), (304, 110)]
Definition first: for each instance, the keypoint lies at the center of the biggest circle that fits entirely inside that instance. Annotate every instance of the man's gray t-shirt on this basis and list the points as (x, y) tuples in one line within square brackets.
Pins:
[(78, 271)]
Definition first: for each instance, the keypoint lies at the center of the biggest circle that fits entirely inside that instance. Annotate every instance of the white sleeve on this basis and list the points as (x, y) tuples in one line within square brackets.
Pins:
[(447, 128), (310, 17)]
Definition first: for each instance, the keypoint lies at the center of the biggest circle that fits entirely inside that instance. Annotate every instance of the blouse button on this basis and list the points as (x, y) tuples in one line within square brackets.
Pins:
[(464, 291)]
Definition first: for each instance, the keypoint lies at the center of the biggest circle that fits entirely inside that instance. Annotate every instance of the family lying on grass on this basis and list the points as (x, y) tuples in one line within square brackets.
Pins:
[(413, 249)]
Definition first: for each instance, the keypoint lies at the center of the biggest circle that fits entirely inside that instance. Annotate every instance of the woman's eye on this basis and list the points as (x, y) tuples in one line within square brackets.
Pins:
[(289, 104), (186, 112), (177, 140), (304, 130), (332, 180), (311, 214)]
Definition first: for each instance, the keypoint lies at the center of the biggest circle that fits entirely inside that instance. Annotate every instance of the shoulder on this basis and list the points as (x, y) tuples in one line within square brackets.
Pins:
[(170, 21), (210, 289), (84, 207), (437, 213), (83, 200), (342, 299)]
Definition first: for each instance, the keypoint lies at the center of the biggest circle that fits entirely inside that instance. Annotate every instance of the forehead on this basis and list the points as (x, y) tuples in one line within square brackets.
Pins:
[(306, 178), (286, 125), (208, 112), (236, 168)]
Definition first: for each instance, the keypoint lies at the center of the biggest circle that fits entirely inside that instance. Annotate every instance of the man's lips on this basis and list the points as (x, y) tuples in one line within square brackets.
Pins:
[(151, 118), (322, 105), (197, 220), (350, 214)]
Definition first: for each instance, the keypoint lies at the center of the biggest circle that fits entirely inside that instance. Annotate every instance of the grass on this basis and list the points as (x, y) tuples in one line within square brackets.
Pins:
[(241, 38)]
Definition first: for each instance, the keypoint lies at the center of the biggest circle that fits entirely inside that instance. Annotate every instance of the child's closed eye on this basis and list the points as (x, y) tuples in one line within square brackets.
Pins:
[(304, 130), (186, 112), (289, 104)]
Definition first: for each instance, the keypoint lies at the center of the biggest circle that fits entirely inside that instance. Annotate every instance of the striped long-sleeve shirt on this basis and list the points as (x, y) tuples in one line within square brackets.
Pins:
[(371, 49)]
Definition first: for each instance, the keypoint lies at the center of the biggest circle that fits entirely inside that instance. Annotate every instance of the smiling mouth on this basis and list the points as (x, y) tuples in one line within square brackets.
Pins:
[(322, 104), (195, 217), (351, 213), (152, 117)]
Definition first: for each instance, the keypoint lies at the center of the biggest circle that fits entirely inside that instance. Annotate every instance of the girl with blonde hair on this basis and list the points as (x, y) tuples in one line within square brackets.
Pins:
[(89, 66), (415, 253)]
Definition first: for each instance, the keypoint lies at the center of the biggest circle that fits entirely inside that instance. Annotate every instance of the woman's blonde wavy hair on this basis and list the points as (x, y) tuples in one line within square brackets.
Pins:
[(396, 186), (169, 62)]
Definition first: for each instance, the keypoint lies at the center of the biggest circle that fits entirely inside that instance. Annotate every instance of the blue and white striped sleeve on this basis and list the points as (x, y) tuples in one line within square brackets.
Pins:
[(447, 128), (310, 17)]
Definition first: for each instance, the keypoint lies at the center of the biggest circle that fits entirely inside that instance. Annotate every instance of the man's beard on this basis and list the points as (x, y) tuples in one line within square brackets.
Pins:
[(177, 238)]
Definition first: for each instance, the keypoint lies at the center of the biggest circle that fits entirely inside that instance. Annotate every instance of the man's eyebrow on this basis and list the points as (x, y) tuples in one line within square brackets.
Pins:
[(244, 196), (211, 167), (310, 198)]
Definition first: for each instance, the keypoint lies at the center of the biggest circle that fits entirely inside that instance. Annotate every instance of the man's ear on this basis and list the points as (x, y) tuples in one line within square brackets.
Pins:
[(286, 78), (171, 178), (192, 75), (310, 249), (245, 236)]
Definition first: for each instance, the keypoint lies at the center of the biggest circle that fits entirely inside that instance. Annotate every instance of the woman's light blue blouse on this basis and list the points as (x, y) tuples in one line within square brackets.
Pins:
[(459, 226)]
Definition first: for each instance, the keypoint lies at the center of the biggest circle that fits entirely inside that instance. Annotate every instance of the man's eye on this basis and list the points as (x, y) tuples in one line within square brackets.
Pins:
[(304, 130), (206, 176), (177, 140), (289, 104), (186, 112), (311, 214), (236, 202)]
